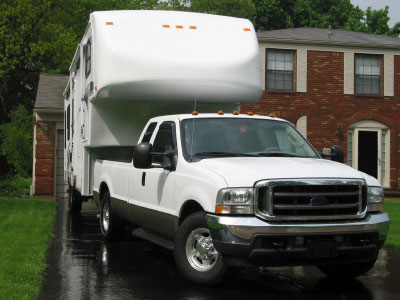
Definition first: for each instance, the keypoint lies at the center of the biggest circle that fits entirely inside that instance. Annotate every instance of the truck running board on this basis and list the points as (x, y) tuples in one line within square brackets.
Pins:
[(154, 238)]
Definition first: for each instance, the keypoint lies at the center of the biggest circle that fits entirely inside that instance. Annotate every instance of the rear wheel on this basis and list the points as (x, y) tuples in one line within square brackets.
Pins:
[(195, 254), (110, 226), (351, 270), (74, 201)]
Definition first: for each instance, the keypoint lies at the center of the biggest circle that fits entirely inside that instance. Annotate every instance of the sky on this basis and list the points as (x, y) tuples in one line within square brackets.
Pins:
[(394, 7)]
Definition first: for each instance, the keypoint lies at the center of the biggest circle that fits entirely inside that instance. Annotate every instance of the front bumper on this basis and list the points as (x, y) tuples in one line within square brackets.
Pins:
[(298, 243)]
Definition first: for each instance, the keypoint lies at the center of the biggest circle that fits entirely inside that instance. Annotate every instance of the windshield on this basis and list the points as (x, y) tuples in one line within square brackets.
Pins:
[(222, 137)]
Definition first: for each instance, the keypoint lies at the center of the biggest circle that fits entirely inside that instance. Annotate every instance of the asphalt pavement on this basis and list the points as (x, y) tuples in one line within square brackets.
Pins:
[(82, 266)]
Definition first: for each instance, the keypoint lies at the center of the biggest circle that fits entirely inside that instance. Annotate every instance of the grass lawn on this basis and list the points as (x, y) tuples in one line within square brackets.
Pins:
[(26, 227), (392, 207)]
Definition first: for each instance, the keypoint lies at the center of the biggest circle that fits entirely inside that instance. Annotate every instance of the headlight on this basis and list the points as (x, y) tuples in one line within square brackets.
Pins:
[(375, 198), (235, 201)]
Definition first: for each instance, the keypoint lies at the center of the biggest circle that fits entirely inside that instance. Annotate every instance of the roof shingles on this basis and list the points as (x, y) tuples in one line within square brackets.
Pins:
[(50, 91)]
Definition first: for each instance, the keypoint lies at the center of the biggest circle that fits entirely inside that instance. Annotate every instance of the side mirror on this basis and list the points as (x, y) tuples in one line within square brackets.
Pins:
[(142, 156), (337, 154)]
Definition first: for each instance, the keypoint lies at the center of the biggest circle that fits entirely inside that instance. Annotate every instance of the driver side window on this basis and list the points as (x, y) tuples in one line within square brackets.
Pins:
[(164, 142)]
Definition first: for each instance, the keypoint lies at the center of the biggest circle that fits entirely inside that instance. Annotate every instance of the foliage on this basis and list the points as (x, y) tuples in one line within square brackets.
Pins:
[(392, 207), (16, 138), (26, 228), (14, 186)]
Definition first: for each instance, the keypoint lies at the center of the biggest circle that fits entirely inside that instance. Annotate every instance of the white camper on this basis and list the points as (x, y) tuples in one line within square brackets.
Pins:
[(154, 136)]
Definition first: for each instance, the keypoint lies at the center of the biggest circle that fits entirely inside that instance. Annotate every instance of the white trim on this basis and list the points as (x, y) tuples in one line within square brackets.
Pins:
[(301, 70), (388, 76)]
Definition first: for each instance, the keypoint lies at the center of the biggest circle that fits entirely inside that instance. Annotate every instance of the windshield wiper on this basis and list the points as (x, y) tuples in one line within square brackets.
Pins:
[(223, 154), (277, 154)]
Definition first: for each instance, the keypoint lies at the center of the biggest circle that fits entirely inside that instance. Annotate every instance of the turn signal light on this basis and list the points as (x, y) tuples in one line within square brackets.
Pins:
[(219, 209)]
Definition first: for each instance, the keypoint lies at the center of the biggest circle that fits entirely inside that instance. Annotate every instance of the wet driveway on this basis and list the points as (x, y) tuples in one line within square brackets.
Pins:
[(83, 266)]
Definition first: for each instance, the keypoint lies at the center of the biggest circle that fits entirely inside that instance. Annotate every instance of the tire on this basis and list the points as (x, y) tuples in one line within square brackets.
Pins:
[(195, 255), (351, 270), (74, 201), (110, 226)]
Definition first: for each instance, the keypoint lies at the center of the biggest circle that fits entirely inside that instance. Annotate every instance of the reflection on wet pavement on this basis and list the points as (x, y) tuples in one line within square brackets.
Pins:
[(83, 266)]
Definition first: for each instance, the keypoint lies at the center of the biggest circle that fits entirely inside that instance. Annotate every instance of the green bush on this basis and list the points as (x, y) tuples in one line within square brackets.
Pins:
[(16, 141), (14, 186)]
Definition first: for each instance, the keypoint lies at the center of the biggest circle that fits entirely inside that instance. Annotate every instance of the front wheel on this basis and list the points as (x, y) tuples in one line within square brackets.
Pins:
[(351, 270), (195, 254)]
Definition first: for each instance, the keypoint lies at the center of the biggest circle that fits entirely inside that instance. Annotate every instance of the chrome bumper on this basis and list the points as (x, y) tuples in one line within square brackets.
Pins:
[(240, 230)]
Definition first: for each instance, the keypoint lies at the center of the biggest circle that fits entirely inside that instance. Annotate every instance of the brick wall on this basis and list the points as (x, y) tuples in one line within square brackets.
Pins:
[(327, 108), (45, 158)]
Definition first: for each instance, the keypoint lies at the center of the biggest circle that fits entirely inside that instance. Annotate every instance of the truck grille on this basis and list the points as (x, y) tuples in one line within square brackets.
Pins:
[(311, 199)]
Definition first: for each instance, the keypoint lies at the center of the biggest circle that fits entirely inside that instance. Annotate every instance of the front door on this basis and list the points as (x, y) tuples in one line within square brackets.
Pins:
[(368, 152)]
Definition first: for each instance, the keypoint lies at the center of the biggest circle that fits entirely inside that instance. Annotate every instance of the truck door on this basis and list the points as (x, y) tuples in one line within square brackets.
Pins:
[(153, 188)]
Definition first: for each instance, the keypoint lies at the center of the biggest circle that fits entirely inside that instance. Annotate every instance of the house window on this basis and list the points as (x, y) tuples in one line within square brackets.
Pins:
[(368, 74), (280, 69)]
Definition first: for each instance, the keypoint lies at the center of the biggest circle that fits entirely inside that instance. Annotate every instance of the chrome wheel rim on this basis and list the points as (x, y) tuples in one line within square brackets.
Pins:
[(106, 217), (200, 251)]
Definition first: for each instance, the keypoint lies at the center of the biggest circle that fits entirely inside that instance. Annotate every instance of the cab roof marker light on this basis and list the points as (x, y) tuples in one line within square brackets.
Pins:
[(179, 26), (220, 112), (272, 115), (193, 27), (246, 29), (165, 26), (250, 113), (195, 113), (235, 112), (109, 23)]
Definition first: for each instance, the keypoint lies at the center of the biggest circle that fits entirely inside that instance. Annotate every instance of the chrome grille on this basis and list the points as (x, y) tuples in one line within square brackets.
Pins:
[(311, 199)]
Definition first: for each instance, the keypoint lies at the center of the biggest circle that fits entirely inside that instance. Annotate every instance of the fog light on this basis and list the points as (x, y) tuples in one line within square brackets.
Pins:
[(299, 241)]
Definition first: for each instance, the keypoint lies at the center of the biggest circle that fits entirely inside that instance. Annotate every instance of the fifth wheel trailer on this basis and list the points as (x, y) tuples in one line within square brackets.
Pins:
[(154, 135)]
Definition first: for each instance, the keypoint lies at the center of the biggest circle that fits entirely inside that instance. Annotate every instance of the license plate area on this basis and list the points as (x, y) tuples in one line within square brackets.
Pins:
[(322, 248)]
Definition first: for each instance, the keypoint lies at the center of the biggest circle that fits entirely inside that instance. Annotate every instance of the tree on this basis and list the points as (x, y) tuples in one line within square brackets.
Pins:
[(16, 138)]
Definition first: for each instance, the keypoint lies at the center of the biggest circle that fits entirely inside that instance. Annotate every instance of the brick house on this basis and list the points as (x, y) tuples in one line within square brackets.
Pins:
[(339, 88), (48, 137)]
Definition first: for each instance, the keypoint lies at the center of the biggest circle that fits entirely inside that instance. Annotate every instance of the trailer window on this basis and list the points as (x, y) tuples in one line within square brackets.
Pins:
[(88, 58), (68, 122)]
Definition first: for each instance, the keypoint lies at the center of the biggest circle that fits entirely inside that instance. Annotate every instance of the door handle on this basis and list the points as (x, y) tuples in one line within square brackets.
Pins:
[(143, 178)]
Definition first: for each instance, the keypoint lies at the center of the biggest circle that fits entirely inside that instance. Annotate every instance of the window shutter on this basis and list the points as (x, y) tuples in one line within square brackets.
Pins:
[(348, 84), (263, 65), (302, 71), (388, 88)]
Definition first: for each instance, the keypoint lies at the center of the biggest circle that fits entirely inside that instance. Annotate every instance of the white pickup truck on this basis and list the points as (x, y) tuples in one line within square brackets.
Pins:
[(230, 189), (216, 188)]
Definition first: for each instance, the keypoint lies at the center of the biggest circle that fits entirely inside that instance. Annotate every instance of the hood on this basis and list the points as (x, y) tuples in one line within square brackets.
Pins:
[(245, 171)]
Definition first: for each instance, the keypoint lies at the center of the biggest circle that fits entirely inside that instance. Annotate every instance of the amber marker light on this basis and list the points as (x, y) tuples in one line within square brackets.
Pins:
[(272, 115), (235, 112), (250, 113), (193, 27), (179, 26), (165, 26), (219, 209), (95, 87), (246, 29), (220, 112), (109, 23), (195, 113)]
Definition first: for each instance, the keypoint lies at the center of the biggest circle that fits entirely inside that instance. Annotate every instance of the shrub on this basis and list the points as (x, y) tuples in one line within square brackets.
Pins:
[(15, 186)]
